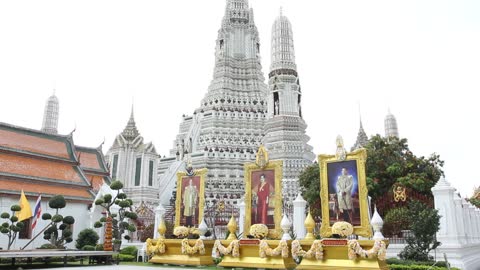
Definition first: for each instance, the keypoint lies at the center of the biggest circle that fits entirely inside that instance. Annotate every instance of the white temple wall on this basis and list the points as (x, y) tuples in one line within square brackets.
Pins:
[(79, 211)]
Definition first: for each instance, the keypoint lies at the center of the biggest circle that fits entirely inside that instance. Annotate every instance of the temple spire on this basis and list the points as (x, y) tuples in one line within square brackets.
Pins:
[(285, 130), (282, 50), (130, 132), (50, 115), (362, 138)]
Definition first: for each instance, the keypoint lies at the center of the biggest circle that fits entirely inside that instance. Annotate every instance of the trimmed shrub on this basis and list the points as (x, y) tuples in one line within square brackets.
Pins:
[(126, 257), (47, 246), (86, 237), (88, 248), (69, 220), (15, 208), (130, 250), (116, 185), (57, 202), (99, 247)]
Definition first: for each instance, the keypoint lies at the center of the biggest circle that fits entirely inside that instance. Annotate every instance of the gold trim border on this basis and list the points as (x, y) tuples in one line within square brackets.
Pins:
[(360, 156), (201, 202), (276, 166)]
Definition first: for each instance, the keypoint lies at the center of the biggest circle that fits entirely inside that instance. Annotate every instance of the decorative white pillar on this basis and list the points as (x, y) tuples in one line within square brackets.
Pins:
[(203, 228), (457, 200), (377, 225), (299, 205), (241, 218), (443, 194), (159, 212), (467, 221), (286, 224)]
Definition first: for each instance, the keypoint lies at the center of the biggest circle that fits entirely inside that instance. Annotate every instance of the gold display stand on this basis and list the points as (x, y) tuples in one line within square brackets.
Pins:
[(336, 257), (250, 257), (173, 253)]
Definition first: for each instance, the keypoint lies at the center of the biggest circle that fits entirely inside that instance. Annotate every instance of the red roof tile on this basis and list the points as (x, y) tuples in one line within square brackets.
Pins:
[(33, 143), (96, 181), (89, 160), (42, 168), (44, 188)]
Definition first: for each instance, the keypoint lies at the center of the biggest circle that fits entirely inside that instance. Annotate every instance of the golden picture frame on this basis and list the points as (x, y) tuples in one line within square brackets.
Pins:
[(251, 171), (198, 181), (343, 192)]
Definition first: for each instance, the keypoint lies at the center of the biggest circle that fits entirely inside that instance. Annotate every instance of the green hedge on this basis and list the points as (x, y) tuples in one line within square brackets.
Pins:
[(126, 257), (130, 250), (88, 248), (417, 267), (407, 262)]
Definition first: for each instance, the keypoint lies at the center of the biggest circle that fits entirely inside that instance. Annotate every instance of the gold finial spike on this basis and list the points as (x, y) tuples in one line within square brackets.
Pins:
[(162, 228), (232, 228), (309, 225)]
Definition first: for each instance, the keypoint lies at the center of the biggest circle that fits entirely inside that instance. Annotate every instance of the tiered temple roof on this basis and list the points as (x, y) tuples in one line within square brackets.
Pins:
[(48, 164), (92, 162)]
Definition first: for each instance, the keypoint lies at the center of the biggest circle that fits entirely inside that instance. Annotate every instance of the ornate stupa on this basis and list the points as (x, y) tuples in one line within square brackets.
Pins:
[(50, 115), (391, 128), (226, 129), (285, 136)]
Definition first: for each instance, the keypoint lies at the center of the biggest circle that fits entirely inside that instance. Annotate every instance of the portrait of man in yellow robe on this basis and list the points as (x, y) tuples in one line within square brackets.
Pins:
[(190, 199)]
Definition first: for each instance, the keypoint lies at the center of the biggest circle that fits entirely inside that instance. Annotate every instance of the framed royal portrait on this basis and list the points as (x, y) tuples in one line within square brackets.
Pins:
[(263, 192), (190, 199), (344, 193)]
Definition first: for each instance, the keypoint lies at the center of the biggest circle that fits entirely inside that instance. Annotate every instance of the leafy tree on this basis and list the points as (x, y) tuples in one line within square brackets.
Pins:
[(12, 226), (475, 201), (424, 224), (396, 220), (123, 207), (310, 183), (58, 232), (87, 237), (390, 161)]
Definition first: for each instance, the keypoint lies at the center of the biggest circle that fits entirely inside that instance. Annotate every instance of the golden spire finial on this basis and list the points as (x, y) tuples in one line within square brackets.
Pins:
[(232, 228), (309, 225)]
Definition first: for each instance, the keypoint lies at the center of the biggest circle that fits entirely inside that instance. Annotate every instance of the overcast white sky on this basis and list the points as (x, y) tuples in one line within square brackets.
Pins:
[(421, 59)]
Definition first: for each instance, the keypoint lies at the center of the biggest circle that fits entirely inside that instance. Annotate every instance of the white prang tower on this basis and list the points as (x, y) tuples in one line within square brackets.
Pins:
[(50, 115), (285, 136), (391, 127), (227, 129), (134, 163)]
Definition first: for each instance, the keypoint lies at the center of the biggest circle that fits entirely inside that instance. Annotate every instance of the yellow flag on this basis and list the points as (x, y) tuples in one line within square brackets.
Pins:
[(26, 211)]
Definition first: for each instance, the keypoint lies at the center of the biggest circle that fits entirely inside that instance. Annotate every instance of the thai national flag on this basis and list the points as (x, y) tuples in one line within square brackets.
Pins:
[(38, 211)]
